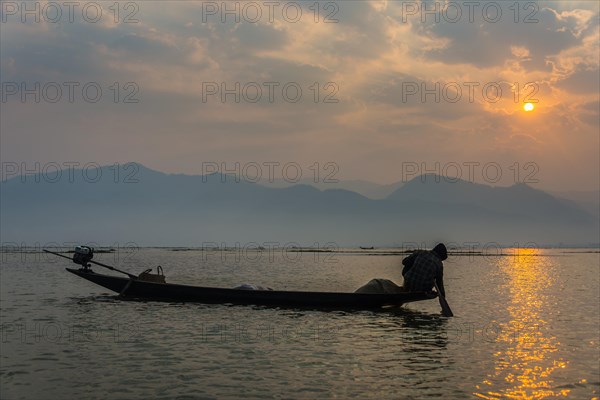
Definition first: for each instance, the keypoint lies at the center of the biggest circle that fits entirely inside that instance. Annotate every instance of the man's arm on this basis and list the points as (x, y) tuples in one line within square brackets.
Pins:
[(439, 279)]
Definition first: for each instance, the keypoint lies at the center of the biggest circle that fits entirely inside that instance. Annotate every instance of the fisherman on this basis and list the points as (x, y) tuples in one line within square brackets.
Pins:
[(423, 268)]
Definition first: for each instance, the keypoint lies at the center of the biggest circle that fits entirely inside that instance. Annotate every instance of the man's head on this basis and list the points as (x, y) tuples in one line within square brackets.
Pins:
[(440, 251)]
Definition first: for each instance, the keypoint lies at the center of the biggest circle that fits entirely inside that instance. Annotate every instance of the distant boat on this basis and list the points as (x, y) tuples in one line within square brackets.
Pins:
[(367, 248)]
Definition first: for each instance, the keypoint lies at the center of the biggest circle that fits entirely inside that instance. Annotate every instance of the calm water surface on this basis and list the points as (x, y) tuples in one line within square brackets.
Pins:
[(526, 326)]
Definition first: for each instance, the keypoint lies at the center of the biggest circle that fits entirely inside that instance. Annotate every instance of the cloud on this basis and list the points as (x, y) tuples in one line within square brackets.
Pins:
[(363, 56), (583, 81), (486, 37)]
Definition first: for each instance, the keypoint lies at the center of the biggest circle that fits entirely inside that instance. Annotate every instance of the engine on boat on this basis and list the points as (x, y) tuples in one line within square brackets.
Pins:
[(83, 255)]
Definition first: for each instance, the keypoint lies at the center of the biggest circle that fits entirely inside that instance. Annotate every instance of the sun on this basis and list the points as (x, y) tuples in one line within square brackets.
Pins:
[(528, 107)]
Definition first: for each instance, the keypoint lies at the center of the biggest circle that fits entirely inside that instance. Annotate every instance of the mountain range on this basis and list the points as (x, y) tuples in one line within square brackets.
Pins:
[(158, 209), (586, 200)]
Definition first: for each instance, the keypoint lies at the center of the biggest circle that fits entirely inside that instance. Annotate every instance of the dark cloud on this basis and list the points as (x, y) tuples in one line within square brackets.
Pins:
[(257, 37), (427, 99), (582, 81), (485, 44)]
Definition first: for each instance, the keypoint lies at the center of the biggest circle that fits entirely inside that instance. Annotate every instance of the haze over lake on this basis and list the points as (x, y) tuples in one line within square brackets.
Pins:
[(148, 207)]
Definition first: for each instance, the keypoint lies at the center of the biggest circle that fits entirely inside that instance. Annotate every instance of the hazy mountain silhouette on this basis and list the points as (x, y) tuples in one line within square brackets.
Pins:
[(368, 189), (152, 208), (586, 200), (518, 200)]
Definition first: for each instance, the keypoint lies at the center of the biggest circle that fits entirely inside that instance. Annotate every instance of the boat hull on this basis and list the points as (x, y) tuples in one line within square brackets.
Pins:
[(176, 292)]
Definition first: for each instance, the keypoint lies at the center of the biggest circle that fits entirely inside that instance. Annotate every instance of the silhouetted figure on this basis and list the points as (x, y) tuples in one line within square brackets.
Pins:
[(423, 268)]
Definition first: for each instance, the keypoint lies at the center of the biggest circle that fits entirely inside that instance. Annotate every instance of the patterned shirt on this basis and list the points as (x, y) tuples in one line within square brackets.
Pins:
[(421, 269)]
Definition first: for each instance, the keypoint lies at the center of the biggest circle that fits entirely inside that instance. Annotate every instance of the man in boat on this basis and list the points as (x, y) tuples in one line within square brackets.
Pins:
[(423, 268)]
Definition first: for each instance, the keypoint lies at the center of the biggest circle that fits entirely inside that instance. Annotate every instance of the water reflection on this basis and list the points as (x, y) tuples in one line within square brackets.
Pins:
[(526, 353), (425, 342)]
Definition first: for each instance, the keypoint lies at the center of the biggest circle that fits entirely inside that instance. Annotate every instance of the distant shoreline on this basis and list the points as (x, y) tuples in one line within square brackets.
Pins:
[(384, 251)]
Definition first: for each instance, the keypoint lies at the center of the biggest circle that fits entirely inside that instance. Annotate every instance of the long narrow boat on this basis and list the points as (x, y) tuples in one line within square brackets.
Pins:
[(139, 288)]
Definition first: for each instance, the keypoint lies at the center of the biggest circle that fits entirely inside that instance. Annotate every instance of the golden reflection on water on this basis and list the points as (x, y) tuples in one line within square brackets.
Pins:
[(526, 353)]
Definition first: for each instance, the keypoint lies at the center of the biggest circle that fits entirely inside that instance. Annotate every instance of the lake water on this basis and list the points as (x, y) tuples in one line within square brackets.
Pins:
[(526, 325)]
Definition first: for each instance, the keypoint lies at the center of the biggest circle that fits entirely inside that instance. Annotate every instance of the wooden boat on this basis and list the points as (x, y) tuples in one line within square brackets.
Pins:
[(154, 287), (134, 287)]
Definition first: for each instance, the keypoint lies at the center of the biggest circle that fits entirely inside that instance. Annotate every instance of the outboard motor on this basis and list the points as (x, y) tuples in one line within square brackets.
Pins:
[(83, 255)]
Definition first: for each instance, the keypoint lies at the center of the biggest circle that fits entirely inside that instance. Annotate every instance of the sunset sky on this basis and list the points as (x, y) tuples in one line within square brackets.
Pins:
[(365, 63)]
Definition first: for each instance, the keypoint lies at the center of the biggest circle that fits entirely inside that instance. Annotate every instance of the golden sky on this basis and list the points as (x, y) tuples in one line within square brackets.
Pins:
[(384, 84)]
